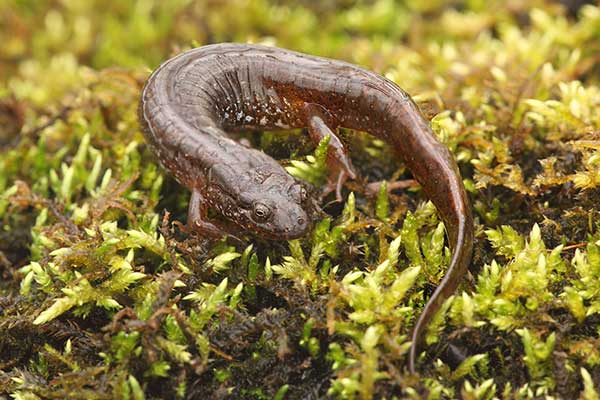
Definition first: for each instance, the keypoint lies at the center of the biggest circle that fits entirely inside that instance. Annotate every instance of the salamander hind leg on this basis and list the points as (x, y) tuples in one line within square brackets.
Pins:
[(337, 156)]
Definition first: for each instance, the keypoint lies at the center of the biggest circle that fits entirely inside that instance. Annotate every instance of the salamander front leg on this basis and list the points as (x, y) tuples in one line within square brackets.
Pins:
[(197, 217), (337, 157)]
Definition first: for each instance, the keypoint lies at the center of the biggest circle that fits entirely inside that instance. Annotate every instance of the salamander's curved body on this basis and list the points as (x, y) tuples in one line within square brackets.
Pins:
[(191, 101)]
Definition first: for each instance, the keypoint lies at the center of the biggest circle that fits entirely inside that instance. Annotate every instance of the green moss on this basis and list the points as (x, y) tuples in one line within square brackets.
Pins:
[(103, 296)]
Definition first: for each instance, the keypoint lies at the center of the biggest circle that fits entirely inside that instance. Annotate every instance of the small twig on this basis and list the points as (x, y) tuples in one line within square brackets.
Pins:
[(572, 246), (60, 116)]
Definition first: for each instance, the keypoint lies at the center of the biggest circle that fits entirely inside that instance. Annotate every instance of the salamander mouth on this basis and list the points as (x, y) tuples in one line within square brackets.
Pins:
[(287, 233), (282, 234)]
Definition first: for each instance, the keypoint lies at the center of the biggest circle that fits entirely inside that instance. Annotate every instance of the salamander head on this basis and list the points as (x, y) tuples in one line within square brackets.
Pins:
[(267, 202)]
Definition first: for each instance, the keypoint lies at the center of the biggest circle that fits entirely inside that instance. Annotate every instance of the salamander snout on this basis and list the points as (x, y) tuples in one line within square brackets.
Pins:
[(291, 221), (273, 204)]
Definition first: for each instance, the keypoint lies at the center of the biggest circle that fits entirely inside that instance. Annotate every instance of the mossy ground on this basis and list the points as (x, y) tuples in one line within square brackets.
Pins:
[(102, 296)]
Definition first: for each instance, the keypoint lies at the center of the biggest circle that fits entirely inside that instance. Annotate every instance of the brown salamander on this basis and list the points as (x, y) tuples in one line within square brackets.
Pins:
[(191, 101)]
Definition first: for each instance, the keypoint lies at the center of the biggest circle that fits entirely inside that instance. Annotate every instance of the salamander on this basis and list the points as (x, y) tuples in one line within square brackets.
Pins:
[(192, 101)]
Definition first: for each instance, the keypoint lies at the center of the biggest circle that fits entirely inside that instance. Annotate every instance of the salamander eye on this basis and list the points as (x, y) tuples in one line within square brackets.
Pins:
[(303, 194), (299, 193), (261, 212)]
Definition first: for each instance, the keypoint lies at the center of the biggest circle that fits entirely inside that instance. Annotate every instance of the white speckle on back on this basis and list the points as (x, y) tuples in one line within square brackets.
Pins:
[(281, 124)]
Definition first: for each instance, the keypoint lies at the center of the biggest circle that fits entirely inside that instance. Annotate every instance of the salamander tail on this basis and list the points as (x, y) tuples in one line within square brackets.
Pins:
[(462, 245)]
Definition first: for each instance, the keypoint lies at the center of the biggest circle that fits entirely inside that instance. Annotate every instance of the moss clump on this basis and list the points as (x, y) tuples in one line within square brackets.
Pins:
[(102, 296)]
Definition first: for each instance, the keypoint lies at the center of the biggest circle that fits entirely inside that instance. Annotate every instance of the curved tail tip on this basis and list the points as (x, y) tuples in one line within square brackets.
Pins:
[(411, 364), (412, 356)]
